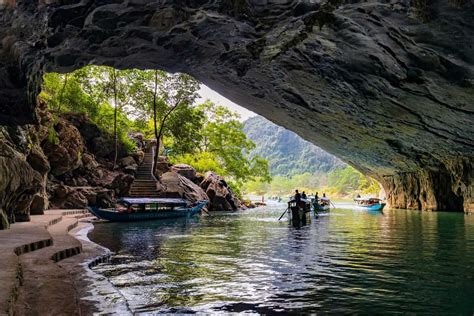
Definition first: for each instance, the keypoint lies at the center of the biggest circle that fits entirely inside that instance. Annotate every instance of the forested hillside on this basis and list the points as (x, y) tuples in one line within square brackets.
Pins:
[(286, 152)]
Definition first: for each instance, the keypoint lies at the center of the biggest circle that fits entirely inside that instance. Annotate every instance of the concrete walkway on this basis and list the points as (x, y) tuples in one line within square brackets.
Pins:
[(33, 281)]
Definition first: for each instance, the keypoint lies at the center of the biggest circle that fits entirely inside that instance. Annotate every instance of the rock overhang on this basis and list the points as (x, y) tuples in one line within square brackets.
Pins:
[(371, 82)]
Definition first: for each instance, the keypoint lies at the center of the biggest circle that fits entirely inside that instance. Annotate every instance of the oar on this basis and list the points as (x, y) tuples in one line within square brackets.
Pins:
[(206, 212), (333, 204), (283, 213)]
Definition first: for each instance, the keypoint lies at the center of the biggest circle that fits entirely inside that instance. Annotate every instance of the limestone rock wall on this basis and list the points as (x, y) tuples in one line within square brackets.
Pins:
[(442, 190), (19, 182), (387, 86)]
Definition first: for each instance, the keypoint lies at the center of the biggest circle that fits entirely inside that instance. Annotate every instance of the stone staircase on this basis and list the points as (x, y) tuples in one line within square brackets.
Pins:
[(144, 184), (31, 253)]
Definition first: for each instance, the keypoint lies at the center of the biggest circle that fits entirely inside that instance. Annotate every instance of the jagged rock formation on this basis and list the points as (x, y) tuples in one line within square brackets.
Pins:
[(384, 85), (220, 195)]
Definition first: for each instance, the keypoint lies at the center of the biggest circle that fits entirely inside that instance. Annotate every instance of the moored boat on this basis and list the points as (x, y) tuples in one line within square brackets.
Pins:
[(139, 209), (369, 204)]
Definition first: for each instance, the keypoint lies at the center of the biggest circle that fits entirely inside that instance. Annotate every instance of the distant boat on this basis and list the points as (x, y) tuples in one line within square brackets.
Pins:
[(141, 209), (369, 204)]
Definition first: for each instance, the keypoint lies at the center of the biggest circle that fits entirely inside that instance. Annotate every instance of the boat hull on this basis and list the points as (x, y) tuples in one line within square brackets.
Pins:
[(375, 207), (318, 208), (144, 216)]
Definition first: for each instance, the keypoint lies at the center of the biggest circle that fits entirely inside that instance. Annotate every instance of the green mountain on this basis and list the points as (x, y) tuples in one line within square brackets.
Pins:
[(287, 152)]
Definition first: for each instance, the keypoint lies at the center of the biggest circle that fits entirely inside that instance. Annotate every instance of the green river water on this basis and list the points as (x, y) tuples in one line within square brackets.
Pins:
[(345, 262)]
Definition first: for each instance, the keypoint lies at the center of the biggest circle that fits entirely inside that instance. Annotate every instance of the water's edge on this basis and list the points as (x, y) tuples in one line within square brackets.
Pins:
[(97, 289)]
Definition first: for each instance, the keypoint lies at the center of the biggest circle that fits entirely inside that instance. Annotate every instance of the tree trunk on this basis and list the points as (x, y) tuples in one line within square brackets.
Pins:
[(114, 82), (160, 133), (155, 161)]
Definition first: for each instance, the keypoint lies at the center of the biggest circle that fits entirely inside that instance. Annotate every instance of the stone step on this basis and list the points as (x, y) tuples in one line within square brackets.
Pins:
[(143, 193), (41, 273), (20, 239), (144, 182), (143, 187)]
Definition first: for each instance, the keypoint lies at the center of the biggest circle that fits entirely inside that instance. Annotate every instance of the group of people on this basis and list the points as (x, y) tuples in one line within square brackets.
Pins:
[(299, 196)]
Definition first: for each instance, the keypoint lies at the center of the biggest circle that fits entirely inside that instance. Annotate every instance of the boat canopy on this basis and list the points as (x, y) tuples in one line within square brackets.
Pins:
[(160, 201), (367, 199)]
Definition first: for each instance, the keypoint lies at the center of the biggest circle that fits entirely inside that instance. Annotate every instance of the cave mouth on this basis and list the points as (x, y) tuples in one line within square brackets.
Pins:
[(94, 92), (394, 102)]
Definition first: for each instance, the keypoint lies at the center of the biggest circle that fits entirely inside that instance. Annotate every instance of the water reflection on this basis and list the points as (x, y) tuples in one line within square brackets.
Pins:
[(347, 261)]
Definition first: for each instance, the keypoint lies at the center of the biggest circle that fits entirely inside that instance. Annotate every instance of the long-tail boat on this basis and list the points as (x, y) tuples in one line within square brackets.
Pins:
[(140, 209), (298, 209), (322, 205), (369, 204)]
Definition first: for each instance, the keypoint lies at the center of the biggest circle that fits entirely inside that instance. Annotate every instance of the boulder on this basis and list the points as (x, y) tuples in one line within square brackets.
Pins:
[(105, 198), (89, 163), (128, 161), (75, 199), (221, 197), (138, 155), (162, 166), (19, 182), (198, 178), (184, 170), (63, 147), (122, 183), (38, 204), (96, 141), (174, 185), (38, 160), (62, 191), (80, 197)]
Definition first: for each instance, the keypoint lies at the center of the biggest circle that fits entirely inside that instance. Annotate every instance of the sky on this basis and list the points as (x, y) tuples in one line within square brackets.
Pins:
[(206, 93)]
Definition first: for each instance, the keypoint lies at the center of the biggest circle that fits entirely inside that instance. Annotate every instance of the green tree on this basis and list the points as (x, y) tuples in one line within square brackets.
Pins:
[(224, 147)]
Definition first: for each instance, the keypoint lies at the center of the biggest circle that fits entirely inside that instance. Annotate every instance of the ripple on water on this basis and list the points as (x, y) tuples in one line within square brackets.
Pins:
[(345, 261)]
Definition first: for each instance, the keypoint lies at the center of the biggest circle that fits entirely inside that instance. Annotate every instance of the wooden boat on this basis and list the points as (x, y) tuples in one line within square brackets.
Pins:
[(369, 204), (298, 210), (321, 206), (140, 209)]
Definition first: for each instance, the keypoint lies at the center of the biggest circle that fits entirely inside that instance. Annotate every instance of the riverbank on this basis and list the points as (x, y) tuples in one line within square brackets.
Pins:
[(46, 267)]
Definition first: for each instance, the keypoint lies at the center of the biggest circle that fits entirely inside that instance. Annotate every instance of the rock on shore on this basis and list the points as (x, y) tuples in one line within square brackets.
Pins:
[(183, 182)]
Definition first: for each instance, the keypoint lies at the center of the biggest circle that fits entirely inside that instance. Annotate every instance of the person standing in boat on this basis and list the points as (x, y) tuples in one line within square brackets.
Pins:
[(316, 197), (297, 196), (303, 195)]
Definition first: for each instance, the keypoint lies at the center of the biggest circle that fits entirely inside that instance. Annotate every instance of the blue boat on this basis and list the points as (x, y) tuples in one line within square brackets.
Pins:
[(369, 204), (142, 209)]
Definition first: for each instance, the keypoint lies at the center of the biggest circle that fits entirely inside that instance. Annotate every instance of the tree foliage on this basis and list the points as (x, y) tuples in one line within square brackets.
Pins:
[(341, 182), (207, 136), (223, 147)]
